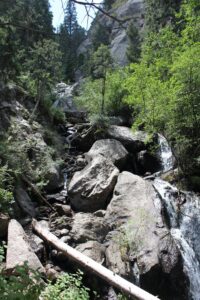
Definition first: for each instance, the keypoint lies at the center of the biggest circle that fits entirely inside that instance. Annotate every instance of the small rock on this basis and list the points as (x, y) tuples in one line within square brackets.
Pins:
[(64, 231), (60, 197), (63, 209), (87, 227), (52, 274), (93, 249), (100, 213), (65, 239)]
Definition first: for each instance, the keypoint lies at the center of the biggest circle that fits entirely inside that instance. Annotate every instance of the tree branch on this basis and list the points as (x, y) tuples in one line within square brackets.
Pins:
[(98, 6)]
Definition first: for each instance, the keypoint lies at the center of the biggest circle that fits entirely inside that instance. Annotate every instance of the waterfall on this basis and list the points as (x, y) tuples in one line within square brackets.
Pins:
[(166, 155), (183, 209)]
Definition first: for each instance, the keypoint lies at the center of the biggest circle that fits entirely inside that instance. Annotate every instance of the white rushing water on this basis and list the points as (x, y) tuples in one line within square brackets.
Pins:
[(165, 153), (183, 209)]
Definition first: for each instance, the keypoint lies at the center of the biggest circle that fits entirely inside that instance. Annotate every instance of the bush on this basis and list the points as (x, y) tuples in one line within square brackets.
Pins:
[(67, 287), (6, 189), (27, 284)]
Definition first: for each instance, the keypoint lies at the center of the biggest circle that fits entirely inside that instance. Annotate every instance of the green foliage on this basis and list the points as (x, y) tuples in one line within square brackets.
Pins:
[(70, 37), (134, 47), (27, 154), (6, 189), (24, 23), (67, 287), (90, 96), (54, 113), (164, 87), (43, 65), (25, 285)]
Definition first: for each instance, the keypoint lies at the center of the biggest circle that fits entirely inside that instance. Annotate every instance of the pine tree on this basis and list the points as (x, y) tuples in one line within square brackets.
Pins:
[(160, 12), (134, 46), (70, 37), (70, 20)]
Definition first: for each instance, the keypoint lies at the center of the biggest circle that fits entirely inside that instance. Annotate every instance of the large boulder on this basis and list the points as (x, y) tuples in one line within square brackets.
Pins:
[(53, 178), (90, 188), (24, 202), (87, 227), (134, 214), (92, 249), (132, 141), (110, 149), (19, 250), (115, 260)]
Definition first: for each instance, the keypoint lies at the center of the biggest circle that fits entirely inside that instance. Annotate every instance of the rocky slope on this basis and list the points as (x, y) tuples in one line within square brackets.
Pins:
[(103, 209), (133, 10)]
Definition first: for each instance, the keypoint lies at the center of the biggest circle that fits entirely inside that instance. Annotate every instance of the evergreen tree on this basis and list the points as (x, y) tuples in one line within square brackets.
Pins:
[(134, 46), (70, 37), (108, 4), (159, 13)]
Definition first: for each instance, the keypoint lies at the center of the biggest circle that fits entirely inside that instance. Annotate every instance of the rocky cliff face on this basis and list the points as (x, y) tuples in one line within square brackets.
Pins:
[(133, 10)]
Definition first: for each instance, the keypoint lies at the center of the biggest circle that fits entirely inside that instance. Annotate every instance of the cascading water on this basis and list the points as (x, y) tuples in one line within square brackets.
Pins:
[(166, 155), (183, 210)]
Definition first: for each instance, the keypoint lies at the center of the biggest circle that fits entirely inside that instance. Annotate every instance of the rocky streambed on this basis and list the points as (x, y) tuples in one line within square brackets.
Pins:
[(108, 213), (112, 206)]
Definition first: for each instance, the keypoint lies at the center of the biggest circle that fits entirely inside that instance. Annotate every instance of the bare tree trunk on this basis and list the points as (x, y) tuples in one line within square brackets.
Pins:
[(113, 279)]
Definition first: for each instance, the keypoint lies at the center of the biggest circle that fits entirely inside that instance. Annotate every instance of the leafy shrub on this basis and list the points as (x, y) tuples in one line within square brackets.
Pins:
[(55, 113), (27, 284), (6, 189), (67, 287)]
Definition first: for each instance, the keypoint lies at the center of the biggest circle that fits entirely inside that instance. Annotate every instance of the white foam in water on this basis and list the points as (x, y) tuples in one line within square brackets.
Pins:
[(191, 264), (184, 213), (165, 153)]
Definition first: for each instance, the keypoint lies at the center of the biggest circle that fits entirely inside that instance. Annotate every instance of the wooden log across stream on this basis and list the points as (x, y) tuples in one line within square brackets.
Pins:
[(112, 279)]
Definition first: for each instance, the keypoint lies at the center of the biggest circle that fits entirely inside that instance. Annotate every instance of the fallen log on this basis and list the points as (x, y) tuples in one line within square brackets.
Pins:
[(110, 277)]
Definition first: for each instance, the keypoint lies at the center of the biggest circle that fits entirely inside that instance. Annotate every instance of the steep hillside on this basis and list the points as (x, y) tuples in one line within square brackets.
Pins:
[(132, 11)]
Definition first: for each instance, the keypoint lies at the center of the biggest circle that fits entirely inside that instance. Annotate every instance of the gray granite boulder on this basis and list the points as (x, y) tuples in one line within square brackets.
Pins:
[(90, 188), (110, 149)]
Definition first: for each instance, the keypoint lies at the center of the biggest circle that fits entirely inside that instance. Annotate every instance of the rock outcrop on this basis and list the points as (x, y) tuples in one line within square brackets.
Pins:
[(140, 237), (132, 141), (19, 250), (90, 188), (132, 10)]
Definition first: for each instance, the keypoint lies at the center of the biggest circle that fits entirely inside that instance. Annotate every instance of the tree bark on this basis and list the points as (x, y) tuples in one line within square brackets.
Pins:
[(113, 279)]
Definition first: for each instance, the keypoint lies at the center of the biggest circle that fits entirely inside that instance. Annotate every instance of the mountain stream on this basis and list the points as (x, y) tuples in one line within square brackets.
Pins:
[(183, 210)]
